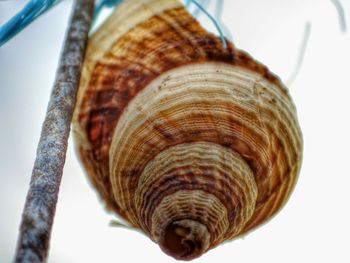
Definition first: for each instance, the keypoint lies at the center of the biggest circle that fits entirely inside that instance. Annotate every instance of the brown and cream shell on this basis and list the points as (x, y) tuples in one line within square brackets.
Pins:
[(193, 143)]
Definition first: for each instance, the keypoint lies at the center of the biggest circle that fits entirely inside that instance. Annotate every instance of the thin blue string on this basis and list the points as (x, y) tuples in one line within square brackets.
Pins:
[(219, 6), (204, 4), (216, 24)]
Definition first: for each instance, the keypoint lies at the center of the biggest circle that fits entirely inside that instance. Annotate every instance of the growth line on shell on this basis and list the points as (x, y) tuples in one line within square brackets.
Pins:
[(193, 166)]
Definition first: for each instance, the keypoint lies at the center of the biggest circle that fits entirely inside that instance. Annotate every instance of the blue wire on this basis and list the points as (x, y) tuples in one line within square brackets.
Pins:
[(218, 15), (204, 4), (30, 12), (104, 3), (33, 9), (216, 24)]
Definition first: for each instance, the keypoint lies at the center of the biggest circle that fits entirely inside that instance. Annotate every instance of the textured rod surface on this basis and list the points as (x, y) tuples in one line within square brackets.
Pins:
[(38, 214)]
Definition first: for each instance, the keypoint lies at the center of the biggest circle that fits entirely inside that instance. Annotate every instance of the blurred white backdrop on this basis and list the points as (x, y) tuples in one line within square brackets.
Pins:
[(313, 226)]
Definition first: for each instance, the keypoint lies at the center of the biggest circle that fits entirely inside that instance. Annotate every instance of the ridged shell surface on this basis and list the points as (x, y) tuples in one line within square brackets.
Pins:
[(191, 142)]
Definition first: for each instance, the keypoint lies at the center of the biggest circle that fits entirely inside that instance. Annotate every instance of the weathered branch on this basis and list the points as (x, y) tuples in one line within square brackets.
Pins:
[(40, 206)]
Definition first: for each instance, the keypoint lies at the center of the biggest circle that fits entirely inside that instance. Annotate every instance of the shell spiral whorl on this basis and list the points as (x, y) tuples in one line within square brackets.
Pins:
[(193, 143)]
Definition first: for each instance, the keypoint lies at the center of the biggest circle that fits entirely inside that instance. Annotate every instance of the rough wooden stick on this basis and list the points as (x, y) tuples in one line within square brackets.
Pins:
[(40, 206)]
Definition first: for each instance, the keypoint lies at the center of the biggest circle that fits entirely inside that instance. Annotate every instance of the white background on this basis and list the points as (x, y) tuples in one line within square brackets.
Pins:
[(312, 227)]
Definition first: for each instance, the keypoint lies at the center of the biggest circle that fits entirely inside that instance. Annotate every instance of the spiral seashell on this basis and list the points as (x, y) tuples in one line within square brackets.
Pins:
[(193, 143)]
